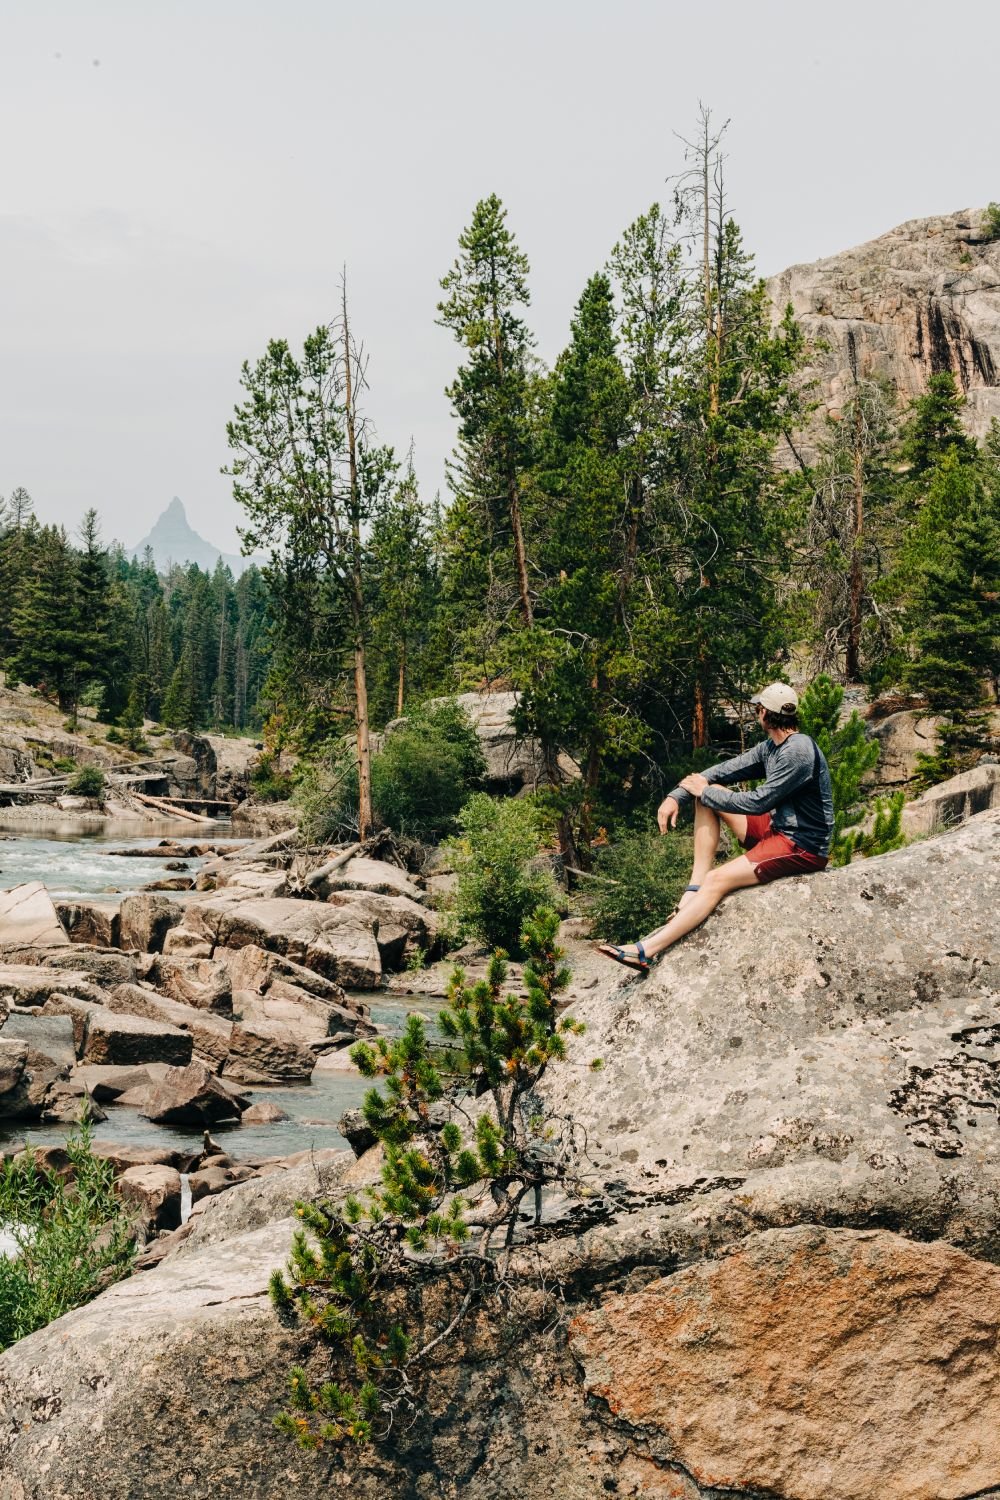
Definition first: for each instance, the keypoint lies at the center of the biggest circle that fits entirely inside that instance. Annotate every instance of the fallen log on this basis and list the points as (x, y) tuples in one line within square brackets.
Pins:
[(163, 805), (315, 876)]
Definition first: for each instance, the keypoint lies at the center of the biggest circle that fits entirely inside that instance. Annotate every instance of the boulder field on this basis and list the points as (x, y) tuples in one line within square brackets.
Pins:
[(243, 977), (783, 1282)]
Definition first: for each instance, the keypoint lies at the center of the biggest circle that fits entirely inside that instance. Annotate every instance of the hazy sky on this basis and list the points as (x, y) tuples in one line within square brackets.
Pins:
[(183, 179)]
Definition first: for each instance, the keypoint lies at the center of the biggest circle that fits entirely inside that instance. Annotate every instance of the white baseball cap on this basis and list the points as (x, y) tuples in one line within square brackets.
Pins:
[(778, 697)]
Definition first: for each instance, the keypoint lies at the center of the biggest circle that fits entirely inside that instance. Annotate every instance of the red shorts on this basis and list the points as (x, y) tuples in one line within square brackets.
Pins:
[(774, 854)]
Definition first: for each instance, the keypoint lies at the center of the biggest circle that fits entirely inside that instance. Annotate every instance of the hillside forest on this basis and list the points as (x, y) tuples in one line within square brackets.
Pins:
[(633, 540)]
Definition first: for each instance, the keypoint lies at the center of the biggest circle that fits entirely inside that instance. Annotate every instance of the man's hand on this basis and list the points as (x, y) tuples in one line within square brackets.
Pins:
[(666, 814), (695, 784)]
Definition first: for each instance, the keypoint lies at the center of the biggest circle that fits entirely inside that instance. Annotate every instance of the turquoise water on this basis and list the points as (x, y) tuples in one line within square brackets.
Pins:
[(313, 1110)]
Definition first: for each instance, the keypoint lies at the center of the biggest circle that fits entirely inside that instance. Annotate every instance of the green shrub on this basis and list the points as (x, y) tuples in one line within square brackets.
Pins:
[(885, 834), (426, 770), (991, 222), (269, 783), (73, 1238), (497, 891), (326, 795), (640, 877), (87, 782), (420, 779)]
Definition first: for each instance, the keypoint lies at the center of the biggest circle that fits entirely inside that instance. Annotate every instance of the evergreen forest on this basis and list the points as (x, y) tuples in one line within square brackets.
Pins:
[(633, 540)]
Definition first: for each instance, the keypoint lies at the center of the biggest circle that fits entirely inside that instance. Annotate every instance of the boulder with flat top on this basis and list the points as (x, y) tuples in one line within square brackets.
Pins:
[(28, 918)]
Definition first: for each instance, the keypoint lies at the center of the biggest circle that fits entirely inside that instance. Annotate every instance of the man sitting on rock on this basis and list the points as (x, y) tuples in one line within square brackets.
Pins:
[(785, 825)]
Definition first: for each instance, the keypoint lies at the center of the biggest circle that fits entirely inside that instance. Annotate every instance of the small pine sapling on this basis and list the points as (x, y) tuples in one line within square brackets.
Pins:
[(448, 1209)]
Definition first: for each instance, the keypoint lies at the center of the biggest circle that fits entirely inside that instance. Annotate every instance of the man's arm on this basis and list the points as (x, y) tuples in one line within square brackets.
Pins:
[(788, 771), (745, 767)]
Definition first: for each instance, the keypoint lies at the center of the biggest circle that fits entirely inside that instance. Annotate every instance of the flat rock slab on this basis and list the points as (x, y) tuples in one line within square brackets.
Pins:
[(362, 874), (122, 1157), (817, 1365), (105, 1082), (28, 985), (28, 918), (110, 1038)]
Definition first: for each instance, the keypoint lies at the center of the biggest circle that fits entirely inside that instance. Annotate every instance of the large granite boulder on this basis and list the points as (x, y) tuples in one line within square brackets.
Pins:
[(119, 1038), (782, 1280), (145, 920), (829, 1044), (815, 1364), (49, 1038), (339, 943), (193, 1096), (14, 1078), (201, 982), (902, 738), (200, 749), (94, 922), (155, 1192), (262, 1052), (953, 801), (28, 918)]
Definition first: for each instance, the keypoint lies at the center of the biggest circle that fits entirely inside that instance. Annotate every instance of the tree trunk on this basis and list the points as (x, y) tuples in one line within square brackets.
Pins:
[(402, 678), (699, 719), (357, 599), (852, 663), (364, 745), (520, 555)]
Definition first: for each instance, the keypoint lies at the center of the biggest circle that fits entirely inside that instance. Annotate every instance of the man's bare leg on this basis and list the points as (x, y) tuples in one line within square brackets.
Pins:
[(717, 884), (707, 833)]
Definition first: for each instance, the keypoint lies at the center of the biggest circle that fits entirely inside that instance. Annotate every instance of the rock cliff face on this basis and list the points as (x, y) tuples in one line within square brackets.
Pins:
[(783, 1285), (921, 299)]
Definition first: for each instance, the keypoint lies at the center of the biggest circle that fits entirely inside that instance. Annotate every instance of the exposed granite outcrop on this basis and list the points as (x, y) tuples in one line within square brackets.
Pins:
[(921, 299)]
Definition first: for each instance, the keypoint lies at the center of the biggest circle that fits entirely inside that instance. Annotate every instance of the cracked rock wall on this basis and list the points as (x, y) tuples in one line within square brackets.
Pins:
[(921, 299)]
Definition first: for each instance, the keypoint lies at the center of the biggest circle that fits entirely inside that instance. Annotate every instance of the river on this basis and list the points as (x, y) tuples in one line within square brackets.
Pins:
[(74, 865)]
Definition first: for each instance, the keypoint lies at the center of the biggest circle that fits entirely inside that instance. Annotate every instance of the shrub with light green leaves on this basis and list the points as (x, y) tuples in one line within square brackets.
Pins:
[(425, 771), (73, 1238), (638, 880), (88, 781), (497, 890)]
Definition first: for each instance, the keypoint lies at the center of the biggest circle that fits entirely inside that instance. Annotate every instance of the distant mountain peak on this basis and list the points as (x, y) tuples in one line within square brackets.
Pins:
[(173, 539)]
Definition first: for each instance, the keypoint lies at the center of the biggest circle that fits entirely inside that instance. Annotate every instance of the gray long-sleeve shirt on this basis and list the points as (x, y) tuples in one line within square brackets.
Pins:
[(796, 790)]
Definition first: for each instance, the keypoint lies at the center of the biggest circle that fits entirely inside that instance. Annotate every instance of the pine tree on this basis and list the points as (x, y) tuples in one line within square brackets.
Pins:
[(736, 396), (850, 531), (954, 615), (309, 479), (93, 596), (850, 755), (485, 288), (46, 621), (576, 668), (934, 427), (403, 583)]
